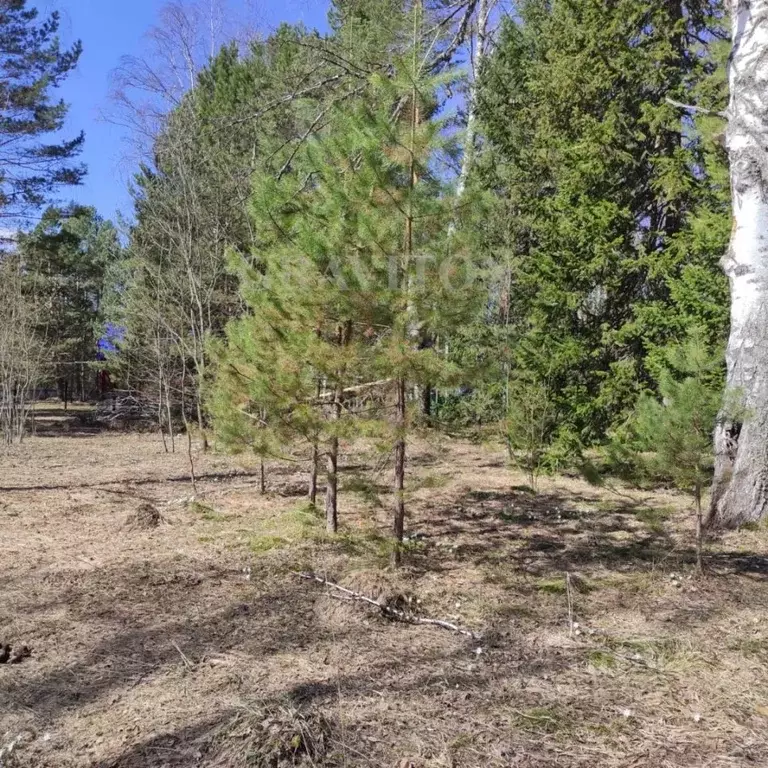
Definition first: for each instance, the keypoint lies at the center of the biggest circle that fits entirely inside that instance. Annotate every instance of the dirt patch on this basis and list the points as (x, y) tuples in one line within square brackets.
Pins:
[(191, 643)]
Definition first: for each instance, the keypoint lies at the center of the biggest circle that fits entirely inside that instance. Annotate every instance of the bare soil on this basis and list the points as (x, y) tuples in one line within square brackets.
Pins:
[(187, 641)]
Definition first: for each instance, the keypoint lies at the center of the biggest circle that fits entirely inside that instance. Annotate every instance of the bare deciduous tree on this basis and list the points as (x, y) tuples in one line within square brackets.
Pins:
[(22, 353)]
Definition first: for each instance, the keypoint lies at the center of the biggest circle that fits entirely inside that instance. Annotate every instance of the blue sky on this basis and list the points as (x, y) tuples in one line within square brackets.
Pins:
[(109, 30)]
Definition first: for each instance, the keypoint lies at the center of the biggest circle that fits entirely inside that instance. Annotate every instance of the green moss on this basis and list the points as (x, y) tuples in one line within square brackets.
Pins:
[(433, 481), (751, 646), (206, 511), (541, 720), (602, 660), (368, 489)]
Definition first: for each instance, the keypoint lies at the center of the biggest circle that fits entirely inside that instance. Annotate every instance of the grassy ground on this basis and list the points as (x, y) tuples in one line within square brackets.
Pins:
[(192, 644)]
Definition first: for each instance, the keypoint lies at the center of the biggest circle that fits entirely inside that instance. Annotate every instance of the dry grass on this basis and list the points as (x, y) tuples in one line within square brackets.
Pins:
[(190, 644)]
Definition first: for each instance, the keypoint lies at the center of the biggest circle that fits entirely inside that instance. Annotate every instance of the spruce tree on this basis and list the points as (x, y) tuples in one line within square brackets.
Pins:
[(604, 185)]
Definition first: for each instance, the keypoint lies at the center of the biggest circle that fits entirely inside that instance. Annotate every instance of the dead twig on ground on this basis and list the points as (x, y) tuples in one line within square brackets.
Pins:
[(387, 610), (187, 663)]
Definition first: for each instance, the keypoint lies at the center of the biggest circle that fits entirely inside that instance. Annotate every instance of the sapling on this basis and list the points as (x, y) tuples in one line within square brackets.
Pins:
[(530, 425), (674, 431)]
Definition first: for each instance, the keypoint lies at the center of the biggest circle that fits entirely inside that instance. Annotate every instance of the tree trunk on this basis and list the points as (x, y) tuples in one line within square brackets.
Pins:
[(699, 530), (343, 338), (312, 495), (190, 458), (740, 487), (332, 470), (331, 487), (201, 423), (262, 476), (169, 416), (160, 424), (483, 15), (426, 401), (399, 487)]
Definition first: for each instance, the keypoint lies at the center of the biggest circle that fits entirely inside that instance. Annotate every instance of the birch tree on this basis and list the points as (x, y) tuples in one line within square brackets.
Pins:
[(481, 45), (740, 488), (23, 353)]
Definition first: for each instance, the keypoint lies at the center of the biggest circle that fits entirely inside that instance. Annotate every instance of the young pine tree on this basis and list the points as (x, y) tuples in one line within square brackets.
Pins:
[(356, 264), (674, 434)]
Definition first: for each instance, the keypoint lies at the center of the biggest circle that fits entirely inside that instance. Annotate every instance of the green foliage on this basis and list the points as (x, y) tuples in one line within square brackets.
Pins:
[(611, 206), (353, 264), (669, 437), (32, 66), (70, 259), (191, 211), (530, 425)]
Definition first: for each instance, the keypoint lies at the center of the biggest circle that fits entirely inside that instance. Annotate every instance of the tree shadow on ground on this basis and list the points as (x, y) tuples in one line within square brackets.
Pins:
[(148, 623), (138, 482), (145, 620), (363, 729), (560, 532)]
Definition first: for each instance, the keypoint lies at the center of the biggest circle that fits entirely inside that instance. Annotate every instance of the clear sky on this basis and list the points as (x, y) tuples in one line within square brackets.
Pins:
[(109, 30)]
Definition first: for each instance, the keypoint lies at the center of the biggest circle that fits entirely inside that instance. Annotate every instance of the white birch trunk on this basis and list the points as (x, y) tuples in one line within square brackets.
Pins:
[(740, 489), (483, 15)]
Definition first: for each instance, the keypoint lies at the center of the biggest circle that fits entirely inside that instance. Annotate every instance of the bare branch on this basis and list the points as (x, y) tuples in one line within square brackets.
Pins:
[(388, 611), (695, 109)]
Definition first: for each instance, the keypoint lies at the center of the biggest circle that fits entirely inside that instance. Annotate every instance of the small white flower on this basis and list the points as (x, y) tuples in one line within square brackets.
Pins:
[(627, 712), (478, 650), (696, 717)]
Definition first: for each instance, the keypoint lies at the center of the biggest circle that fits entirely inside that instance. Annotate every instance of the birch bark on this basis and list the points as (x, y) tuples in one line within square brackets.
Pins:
[(481, 42), (740, 487)]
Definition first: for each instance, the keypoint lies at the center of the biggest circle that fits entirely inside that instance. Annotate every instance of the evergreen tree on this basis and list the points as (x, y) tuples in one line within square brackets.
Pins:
[(612, 211), (671, 437), (355, 260), (69, 259), (240, 119), (32, 66)]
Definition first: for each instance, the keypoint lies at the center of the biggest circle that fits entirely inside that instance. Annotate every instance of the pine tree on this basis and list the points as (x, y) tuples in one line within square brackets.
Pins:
[(673, 434), (69, 259), (33, 64), (355, 260)]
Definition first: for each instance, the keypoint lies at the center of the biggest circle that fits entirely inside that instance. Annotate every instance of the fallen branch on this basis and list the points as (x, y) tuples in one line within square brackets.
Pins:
[(187, 662), (388, 611)]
